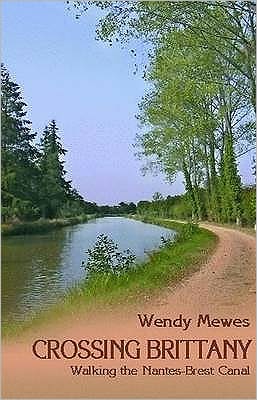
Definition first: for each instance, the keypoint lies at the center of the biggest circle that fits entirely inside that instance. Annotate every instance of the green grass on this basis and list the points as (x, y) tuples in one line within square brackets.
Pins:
[(165, 267), (42, 225)]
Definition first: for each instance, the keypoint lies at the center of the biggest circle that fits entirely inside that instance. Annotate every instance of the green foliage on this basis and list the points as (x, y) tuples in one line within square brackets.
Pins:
[(54, 188), (121, 209), (226, 29), (18, 154), (41, 225), (230, 184), (105, 257), (175, 207), (248, 206), (185, 233), (183, 116), (180, 208)]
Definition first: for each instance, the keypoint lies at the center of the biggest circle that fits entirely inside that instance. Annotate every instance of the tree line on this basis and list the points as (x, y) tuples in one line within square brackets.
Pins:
[(198, 117), (34, 183), (179, 207)]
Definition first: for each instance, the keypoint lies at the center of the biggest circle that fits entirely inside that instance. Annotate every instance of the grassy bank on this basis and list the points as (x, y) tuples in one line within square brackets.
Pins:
[(164, 267), (42, 225)]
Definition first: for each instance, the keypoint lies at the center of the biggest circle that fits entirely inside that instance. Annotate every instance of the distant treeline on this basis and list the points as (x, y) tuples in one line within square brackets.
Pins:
[(105, 210), (180, 206), (121, 208)]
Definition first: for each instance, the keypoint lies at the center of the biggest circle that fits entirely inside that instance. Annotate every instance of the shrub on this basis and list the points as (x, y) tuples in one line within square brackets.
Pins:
[(185, 233), (105, 257)]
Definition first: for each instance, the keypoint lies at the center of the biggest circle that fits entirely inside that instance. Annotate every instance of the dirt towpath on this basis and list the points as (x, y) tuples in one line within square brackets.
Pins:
[(224, 287)]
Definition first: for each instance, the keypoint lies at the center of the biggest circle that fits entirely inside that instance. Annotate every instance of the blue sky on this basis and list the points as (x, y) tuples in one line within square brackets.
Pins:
[(91, 91)]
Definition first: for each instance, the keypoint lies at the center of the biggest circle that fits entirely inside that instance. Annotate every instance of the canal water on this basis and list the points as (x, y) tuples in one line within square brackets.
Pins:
[(37, 269)]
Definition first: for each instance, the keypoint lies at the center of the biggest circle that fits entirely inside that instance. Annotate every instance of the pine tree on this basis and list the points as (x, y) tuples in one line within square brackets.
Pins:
[(54, 187), (18, 151)]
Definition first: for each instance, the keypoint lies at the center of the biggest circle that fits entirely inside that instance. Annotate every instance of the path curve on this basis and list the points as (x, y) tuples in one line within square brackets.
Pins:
[(226, 282)]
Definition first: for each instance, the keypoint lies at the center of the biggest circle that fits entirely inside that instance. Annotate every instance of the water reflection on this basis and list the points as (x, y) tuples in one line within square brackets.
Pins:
[(36, 269)]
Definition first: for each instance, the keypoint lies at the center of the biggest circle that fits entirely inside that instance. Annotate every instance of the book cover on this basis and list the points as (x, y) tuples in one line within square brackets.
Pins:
[(128, 199)]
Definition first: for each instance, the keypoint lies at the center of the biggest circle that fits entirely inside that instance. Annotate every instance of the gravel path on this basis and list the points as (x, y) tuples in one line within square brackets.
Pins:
[(226, 283)]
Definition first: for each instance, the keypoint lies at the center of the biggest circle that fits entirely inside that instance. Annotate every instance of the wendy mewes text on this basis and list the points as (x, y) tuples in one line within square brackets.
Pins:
[(184, 323)]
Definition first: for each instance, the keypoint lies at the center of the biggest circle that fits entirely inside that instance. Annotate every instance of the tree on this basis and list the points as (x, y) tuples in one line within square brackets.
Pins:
[(54, 187), (226, 28), (187, 118), (19, 173), (230, 184)]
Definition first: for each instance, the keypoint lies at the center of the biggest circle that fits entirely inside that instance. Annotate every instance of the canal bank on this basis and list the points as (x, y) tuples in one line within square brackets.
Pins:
[(163, 267), (42, 225)]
